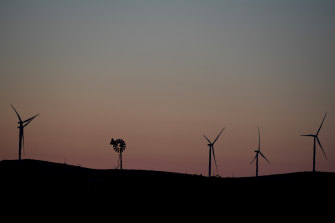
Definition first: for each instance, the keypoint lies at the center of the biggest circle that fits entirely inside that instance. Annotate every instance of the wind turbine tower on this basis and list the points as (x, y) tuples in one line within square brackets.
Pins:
[(258, 152), (211, 150), (316, 139), (21, 126)]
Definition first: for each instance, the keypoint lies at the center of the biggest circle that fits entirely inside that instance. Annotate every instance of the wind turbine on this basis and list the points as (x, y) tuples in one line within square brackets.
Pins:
[(316, 138), (119, 146), (258, 152), (21, 126), (211, 150)]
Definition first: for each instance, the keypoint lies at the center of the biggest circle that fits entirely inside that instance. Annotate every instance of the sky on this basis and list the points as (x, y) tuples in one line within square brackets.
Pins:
[(161, 74)]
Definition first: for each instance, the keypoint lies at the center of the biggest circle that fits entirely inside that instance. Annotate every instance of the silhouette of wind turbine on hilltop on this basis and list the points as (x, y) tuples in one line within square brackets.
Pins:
[(119, 146), (316, 138), (258, 152), (21, 126), (211, 149)]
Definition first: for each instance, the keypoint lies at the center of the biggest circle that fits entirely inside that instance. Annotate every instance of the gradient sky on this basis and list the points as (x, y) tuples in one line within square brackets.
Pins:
[(160, 74)]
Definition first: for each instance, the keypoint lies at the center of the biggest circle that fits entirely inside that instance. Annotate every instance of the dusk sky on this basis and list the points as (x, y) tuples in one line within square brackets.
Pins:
[(160, 74)]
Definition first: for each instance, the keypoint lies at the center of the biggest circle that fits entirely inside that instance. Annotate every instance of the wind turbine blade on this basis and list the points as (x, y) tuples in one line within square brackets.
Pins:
[(30, 119), (321, 124), (214, 158), (27, 123), (264, 157), (259, 140), (253, 160), (218, 135), (317, 138), (308, 135), (208, 139), (17, 113)]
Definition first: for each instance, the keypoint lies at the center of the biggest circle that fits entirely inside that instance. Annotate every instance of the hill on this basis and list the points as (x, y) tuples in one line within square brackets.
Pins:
[(45, 178)]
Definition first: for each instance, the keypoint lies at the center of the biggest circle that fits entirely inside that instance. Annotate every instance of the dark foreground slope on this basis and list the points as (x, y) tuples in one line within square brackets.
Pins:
[(41, 178)]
